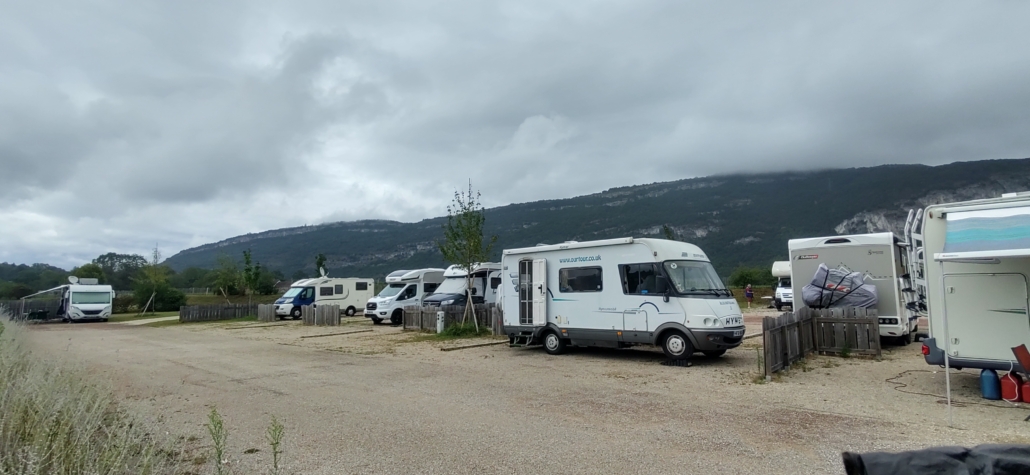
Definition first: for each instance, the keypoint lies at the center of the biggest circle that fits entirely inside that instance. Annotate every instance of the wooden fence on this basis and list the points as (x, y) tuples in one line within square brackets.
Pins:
[(266, 313), (790, 337), (206, 313), (424, 318), (322, 315)]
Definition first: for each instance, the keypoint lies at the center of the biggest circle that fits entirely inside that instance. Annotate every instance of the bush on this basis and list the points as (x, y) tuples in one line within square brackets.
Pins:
[(166, 298), (123, 304), (466, 330), (751, 275), (56, 421)]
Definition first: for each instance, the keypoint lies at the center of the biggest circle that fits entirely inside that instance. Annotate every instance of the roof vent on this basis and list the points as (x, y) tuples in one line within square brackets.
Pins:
[(837, 241)]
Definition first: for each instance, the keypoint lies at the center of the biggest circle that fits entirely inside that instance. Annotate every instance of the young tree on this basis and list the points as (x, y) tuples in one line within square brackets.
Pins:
[(251, 276), (227, 276), (463, 242), (151, 286), (319, 263)]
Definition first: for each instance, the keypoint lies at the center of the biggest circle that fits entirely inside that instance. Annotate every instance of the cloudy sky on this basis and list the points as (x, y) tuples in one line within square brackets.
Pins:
[(124, 124)]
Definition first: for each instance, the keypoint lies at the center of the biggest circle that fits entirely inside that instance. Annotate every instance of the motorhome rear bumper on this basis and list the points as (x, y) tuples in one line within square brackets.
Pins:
[(714, 340), (935, 356)]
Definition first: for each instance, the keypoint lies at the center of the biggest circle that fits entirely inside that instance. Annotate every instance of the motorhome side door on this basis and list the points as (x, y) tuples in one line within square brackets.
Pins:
[(987, 315), (533, 292)]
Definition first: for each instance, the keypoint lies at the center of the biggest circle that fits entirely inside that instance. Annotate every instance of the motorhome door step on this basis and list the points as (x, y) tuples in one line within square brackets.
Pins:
[(681, 363)]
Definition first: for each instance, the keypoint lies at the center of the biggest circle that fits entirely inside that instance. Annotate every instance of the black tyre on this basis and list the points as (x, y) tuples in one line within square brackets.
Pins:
[(905, 340), (295, 313), (677, 346), (103, 320), (376, 321), (714, 353), (350, 311), (397, 318), (553, 343), (779, 307)]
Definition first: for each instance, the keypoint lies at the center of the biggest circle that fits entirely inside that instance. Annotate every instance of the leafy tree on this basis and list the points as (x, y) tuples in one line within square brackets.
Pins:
[(90, 271), (14, 290), (751, 275), (121, 269), (319, 263), (192, 277), (463, 242), (152, 282), (227, 276)]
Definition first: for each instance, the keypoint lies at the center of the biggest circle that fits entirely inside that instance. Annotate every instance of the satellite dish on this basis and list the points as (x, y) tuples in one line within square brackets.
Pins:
[(73, 279), (322, 271)]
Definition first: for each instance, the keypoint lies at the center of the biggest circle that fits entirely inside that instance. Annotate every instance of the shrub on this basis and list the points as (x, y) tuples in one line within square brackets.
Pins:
[(166, 298), (123, 304), (751, 275), (466, 330)]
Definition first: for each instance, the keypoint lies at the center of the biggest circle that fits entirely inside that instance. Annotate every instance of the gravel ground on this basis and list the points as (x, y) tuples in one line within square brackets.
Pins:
[(385, 402)]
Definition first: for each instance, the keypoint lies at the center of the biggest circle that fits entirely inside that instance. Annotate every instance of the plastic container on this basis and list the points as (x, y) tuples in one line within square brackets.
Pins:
[(1010, 387), (1026, 391), (990, 386)]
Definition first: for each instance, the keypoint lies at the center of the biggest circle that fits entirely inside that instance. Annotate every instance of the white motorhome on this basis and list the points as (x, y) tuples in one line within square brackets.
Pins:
[(975, 257), (618, 293), (403, 288), (880, 257), (82, 300), (784, 294), (349, 293), (486, 278)]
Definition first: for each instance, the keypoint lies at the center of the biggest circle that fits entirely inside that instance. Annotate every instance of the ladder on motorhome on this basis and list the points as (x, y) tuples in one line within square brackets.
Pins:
[(913, 280)]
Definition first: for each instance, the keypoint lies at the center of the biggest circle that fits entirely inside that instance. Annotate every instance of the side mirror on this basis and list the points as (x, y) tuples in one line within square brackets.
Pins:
[(662, 285)]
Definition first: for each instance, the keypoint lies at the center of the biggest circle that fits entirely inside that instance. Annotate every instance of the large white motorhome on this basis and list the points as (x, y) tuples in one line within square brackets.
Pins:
[(975, 259), (81, 300), (486, 278), (349, 293), (880, 257), (784, 294), (618, 293), (403, 288)]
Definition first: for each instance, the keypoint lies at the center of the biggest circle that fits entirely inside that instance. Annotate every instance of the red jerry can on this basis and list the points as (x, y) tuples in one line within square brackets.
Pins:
[(1010, 386), (1026, 391)]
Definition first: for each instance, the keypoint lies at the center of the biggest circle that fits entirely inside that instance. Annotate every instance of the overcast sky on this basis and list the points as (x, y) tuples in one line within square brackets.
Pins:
[(126, 124)]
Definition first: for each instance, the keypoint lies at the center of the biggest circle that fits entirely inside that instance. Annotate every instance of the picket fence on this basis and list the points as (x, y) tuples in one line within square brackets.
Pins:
[(424, 318), (788, 338), (207, 313)]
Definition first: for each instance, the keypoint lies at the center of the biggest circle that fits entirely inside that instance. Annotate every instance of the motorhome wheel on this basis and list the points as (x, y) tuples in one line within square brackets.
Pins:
[(295, 313), (397, 318), (907, 338), (350, 311), (676, 346), (553, 344), (779, 305), (714, 354), (103, 320)]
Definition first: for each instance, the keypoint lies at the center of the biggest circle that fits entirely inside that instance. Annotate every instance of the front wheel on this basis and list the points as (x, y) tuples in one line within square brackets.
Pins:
[(397, 318), (714, 354), (677, 347), (350, 311), (553, 344), (295, 313)]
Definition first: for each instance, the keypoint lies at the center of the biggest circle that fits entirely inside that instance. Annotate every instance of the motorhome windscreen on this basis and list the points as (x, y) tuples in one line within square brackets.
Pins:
[(784, 283), (88, 298), (451, 285), (391, 290), (293, 292), (693, 277)]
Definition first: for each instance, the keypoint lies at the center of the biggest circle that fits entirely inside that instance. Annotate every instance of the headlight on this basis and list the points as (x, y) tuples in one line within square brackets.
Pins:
[(447, 302)]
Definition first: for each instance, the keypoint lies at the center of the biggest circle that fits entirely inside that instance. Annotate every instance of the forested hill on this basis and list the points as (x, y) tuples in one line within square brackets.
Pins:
[(737, 219)]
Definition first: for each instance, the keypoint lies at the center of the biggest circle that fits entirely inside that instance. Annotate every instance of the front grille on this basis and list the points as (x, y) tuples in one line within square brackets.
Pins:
[(91, 312), (371, 306)]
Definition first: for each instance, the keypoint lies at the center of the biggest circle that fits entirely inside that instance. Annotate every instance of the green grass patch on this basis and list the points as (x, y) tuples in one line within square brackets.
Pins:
[(173, 323), (453, 332), (128, 317), (218, 299)]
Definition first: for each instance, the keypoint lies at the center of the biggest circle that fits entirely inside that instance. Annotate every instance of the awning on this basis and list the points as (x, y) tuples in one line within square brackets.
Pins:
[(987, 234)]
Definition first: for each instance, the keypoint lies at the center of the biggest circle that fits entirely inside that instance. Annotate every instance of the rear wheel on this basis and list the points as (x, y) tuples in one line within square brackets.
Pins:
[(397, 318), (350, 311), (676, 346), (553, 343), (714, 354), (779, 306), (295, 313), (906, 339)]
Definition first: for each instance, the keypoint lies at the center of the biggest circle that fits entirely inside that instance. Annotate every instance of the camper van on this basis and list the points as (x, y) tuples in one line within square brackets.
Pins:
[(880, 257), (976, 260), (784, 294), (349, 293), (403, 288), (618, 293), (486, 278), (82, 300)]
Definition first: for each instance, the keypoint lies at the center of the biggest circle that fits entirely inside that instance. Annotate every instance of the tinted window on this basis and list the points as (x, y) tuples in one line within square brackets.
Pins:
[(361, 286), (495, 282), (408, 293), (324, 291), (429, 288), (639, 279), (579, 279), (339, 288)]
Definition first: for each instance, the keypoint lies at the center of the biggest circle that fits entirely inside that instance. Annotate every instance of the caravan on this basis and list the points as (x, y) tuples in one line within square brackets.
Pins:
[(880, 257), (618, 293), (975, 260), (403, 288), (349, 293), (486, 278), (784, 294)]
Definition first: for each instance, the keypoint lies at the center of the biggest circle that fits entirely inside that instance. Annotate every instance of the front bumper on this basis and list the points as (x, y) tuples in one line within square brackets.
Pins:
[(283, 309), (721, 339)]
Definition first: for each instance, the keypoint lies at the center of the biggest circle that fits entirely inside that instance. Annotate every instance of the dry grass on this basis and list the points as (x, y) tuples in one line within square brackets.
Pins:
[(55, 421)]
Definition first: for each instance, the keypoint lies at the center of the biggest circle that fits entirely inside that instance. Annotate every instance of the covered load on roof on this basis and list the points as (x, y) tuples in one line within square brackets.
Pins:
[(839, 287)]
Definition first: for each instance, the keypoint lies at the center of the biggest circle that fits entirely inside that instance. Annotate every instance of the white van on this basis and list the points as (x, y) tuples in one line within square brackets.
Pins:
[(349, 293), (618, 293), (82, 300), (880, 257), (486, 278), (976, 260), (784, 294), (403, 288)]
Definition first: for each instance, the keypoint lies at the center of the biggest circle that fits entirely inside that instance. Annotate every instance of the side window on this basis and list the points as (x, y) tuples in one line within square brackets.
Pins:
[(429, 288), (495, 282), (339, 289), (325, 291), (640, 279), (580, 279), (407, 293), (361, 286), (309, 293)]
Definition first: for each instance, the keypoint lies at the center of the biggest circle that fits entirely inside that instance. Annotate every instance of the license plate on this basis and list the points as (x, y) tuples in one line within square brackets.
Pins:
[(738, 332)]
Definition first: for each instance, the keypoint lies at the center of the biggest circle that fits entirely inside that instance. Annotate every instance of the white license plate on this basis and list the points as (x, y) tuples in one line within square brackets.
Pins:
[(738, 332)]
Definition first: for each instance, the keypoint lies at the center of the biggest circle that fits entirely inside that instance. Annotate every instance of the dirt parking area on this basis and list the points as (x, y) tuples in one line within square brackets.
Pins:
[(381, 400)]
